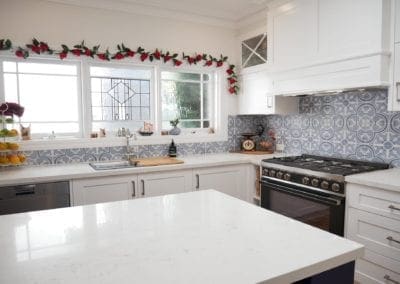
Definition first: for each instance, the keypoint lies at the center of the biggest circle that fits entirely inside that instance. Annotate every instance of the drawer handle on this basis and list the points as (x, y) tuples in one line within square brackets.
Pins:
[(133, 189), (394, 207), (390, 238), (387, 277)]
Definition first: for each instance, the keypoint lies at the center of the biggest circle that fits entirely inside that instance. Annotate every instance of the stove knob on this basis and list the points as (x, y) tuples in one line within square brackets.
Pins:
[(286, 176), (272, 173), (325, 185), (306, 180), (315, 182), (265, 172), (336, 187), (279, 175)]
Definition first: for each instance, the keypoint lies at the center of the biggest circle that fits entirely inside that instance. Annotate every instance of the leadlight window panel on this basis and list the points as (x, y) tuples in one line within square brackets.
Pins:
[(254, 51), (48, 91), (187, 96), (120, 97)]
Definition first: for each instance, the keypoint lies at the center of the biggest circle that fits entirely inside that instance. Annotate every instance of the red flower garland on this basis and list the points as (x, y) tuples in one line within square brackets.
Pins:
[(40, 47)]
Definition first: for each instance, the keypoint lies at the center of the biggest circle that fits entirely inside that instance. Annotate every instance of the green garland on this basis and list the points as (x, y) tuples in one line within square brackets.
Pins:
[(123, 52)]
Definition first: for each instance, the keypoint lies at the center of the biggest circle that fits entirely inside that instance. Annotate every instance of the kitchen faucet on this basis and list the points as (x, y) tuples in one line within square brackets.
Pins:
[(132, 151)]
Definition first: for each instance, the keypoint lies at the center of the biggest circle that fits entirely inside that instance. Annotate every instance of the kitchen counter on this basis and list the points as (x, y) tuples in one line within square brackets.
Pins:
[(386, 179), (196, 237), (37, 174)]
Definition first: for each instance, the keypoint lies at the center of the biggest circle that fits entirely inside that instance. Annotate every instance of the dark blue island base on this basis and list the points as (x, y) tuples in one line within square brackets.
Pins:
[(343, 274)]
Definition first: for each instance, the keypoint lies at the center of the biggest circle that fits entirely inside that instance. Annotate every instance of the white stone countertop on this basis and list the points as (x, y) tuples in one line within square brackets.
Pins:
[(386, 179), (37, 174), (196, 237)]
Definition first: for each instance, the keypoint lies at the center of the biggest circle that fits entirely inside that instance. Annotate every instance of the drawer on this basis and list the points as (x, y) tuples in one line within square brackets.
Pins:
[(379, 234), (379, 201), (368, 273)]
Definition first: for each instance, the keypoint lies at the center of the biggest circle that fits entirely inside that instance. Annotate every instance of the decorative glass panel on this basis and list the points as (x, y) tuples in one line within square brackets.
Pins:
[(254, 51)]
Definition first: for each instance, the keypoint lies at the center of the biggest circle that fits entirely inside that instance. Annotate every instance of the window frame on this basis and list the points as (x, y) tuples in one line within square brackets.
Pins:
[(213, 79), (34, 59), (218, 116), (86, 82)]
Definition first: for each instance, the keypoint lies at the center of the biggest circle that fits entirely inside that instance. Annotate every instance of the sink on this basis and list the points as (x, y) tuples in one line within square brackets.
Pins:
[(98, 166)]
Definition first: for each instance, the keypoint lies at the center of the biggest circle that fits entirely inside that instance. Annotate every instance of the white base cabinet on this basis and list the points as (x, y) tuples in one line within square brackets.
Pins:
[(373, 219), (105, 189), (231, 180), (162, 183)]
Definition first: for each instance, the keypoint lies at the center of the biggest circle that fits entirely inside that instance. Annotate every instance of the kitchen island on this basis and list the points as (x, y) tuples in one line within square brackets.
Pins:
[(196, 237)]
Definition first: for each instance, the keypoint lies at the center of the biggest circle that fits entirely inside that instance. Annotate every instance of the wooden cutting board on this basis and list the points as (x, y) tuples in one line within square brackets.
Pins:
[(157, 161), (253, 152)]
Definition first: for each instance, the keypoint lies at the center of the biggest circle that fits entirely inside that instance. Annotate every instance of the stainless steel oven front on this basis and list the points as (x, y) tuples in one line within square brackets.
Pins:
[(313, 206)]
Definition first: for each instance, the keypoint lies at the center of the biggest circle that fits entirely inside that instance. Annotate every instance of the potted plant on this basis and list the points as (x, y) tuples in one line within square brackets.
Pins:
[(175, 130)]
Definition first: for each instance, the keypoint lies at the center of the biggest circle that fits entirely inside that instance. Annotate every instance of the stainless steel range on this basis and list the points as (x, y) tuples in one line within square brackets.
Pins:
[(310, 188)]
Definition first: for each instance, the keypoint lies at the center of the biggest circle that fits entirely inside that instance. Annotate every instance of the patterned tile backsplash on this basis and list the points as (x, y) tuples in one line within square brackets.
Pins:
[(354, 125)]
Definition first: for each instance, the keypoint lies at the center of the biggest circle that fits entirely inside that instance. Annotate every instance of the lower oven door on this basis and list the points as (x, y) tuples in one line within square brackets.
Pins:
[(319, 209)]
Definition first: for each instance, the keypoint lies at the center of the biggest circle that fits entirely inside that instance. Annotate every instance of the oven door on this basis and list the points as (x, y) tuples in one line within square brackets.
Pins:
[(319, 209)]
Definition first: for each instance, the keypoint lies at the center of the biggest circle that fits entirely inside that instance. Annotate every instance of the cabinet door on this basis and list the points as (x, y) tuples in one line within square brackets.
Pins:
[(162, 183), (397, 21), (255, 87), (349, 27), (97, 190), (293, 32), (231, 180)]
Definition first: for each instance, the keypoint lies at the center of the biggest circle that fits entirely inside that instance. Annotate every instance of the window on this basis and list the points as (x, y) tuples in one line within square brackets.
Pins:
[(120, 97), (77, 97), (254, 51), (187, 96), (49, 92)]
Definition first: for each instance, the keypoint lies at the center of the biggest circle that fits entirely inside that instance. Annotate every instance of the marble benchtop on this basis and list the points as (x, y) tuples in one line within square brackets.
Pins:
[(196, 237)]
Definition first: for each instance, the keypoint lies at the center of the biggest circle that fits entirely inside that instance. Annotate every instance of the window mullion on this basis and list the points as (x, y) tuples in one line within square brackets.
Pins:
[(201, 101)]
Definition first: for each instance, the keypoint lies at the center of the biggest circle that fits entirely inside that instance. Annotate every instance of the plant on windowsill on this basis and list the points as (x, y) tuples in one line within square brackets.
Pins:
[(175, 130)]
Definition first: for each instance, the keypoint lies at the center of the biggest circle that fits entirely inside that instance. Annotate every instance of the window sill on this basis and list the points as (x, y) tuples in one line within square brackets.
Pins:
[(70, 143)]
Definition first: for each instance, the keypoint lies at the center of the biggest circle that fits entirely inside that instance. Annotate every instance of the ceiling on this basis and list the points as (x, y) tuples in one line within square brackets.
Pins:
[(229, 13)]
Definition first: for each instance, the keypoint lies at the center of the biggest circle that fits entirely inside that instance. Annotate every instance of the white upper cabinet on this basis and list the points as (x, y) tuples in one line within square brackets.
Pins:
[(349, 27), (293, 27), (397, 21), (321, 45)]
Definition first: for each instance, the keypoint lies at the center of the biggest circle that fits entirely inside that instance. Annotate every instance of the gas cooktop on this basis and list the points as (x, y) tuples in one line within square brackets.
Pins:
[(328, 165)]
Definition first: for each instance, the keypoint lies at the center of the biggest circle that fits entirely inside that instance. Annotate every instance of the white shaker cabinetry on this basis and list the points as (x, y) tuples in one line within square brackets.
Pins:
[(231, 180), (394, 91), (256, 98), (373, 219), (321, 45), (104, 189), (162, 183)]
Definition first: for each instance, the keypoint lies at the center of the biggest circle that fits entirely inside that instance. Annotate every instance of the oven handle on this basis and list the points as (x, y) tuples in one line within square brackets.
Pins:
[(326, 200)]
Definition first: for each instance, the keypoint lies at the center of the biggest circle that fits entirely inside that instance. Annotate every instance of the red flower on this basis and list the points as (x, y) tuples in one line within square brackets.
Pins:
[(43, 47), (144, 56), (199, 57), (63, 55), (190, 60), (167, 58), (102, 56), (232, 90), (118, 56), (130, 53), (88, 52), (76, 52), (229, 71), (157, 54), (232, 80), (177, 62), (35, 49), (219, 63), (208, 63), (19, 53)]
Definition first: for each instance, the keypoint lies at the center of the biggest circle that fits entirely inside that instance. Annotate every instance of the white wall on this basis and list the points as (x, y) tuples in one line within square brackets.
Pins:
[(21, 20)]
